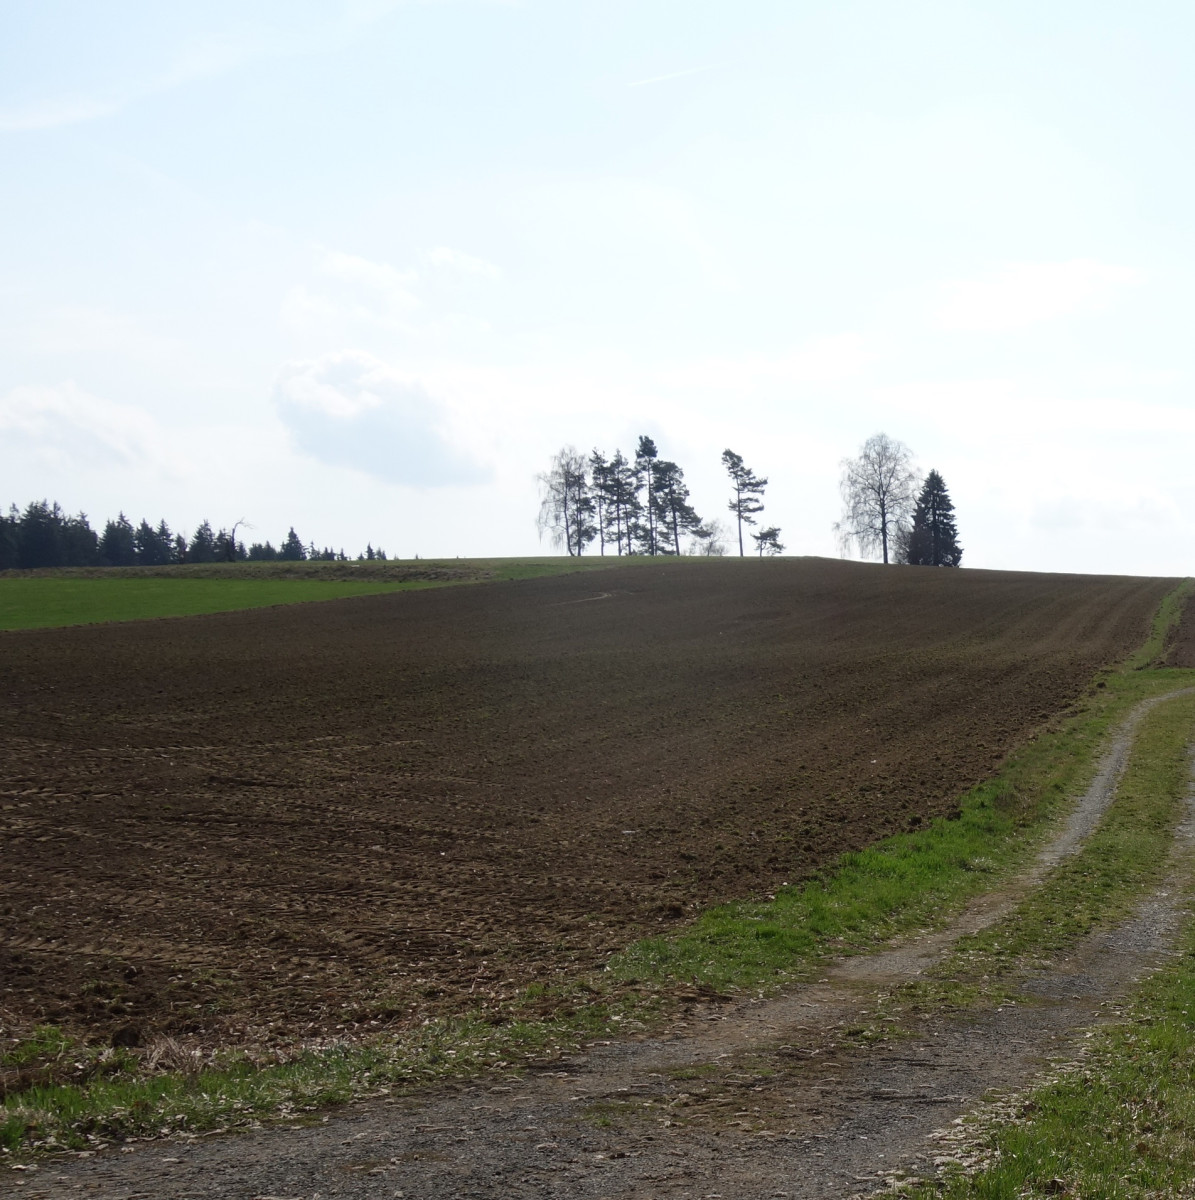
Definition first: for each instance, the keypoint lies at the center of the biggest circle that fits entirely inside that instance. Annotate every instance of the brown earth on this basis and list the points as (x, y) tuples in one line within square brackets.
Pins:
[(324, 818)]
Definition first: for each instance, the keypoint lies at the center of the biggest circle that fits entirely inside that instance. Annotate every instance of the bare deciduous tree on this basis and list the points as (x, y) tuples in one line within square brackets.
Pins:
[(878, 495), (708, 539), (566, 507)]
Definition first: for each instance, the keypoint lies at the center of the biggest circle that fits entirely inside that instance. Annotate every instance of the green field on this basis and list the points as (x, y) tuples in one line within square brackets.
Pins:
[(85, 596)]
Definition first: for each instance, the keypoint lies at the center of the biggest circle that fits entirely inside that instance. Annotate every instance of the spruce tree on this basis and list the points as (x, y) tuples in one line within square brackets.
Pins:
[(118, 544), (932, 541), (293, 549)]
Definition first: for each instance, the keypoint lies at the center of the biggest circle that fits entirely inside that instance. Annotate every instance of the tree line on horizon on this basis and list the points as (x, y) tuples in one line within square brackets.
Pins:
[(44, 535), (640, 505)]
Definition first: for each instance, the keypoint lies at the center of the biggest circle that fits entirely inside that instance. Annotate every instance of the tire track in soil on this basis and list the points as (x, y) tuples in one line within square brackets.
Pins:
[(761, 1099)]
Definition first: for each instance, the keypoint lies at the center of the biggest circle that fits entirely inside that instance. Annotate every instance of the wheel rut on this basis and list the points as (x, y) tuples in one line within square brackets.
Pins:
[(767, 1098)]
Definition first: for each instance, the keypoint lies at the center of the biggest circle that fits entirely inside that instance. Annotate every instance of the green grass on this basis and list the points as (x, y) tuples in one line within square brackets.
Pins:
[(39, 600), (44, 603), (904, 883)]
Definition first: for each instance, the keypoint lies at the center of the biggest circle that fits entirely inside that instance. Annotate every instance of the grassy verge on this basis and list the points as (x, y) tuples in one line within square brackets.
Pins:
[(904, 883), (1117, 1124), (47, 599)]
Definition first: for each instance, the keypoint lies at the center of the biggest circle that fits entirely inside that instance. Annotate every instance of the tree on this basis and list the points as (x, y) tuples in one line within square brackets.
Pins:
[(877, 495), (155, 547), (203, 545), (118, 543), (932, 540), (601, 482), (645, 455), (624, 500), (670, 496), (566, 506), (708, 539), (10, 544), (80, 545), (39, 535), (748, 492), (767, 541), (292, 550)]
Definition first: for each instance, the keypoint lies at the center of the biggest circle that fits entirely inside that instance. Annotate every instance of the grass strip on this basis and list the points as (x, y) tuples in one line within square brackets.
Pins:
[(88, 596), (51, 602), (1119, 1124), (1162, 628), (905, 882)]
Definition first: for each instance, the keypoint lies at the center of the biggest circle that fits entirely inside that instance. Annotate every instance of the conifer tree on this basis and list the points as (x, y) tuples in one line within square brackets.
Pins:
[(624, 499), (601, 483), (767, 541), (292, 549), (674, 514), (748, 492), (932, 540), (118, 544), (203, 545), (645, 529)]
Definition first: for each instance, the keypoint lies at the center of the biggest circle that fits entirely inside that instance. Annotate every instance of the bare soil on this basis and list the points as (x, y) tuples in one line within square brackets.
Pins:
[(774, 1098), (321, 819)]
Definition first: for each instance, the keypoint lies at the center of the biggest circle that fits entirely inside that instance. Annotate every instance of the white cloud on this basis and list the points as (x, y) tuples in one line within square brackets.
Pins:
[(462, 263), (64, 428), (353, 289), (380, 285), (1022, 294), (350, 409)]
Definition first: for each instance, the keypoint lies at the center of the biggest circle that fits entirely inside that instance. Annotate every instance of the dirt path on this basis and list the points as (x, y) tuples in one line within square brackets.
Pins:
[(762, 1099)]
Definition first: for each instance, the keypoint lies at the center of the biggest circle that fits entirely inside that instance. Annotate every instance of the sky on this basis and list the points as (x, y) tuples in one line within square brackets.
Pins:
[(364, 267)]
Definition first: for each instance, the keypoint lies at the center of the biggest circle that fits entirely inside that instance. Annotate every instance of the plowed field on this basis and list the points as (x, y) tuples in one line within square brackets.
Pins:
[(281, 823)]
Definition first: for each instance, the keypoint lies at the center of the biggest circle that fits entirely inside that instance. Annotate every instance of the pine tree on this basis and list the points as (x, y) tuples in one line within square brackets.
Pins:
[(674, 514), (767, 541), (601, 484), (932, 540), (625, 500), (645, 531), (748, 492)]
